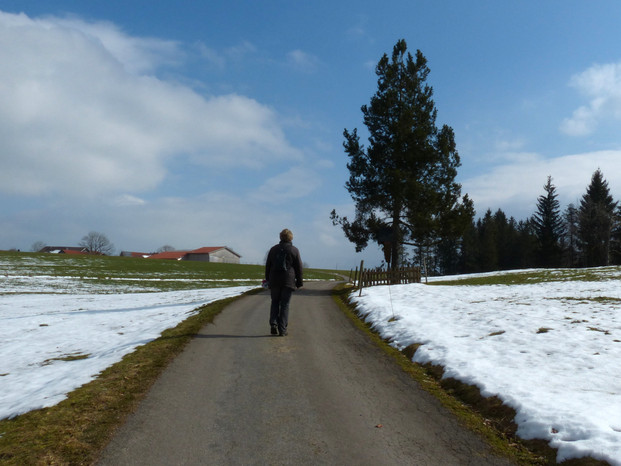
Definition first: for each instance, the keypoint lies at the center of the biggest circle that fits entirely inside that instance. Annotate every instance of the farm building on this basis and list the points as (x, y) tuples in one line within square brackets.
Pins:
[(135, 254), (221, 254), (64, 250)]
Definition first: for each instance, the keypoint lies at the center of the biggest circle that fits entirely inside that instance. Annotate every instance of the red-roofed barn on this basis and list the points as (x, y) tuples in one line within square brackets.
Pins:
[(222, 254)]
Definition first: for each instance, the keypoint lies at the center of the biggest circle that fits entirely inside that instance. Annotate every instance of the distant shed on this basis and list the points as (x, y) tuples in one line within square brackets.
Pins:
[(64, 250), (219, 254), (134, 254)]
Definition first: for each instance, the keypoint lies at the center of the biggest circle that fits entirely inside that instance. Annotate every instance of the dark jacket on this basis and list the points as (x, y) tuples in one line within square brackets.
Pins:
[(292, 278)]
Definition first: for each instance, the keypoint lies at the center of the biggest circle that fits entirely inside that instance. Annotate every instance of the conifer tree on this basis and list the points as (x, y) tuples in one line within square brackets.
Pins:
[(403, 183), (447, 253), (488, 240), (514, 256), (595, 221), (469, 252), (571, 252), (527, 240), (548, 225), (615, 239), (504, 239)]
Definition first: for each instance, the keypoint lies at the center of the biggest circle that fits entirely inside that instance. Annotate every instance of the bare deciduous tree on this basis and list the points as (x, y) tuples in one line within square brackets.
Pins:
[(97, 243), (37, 246)]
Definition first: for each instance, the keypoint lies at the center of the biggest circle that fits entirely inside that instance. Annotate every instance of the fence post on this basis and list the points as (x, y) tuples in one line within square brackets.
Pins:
[(360, 283)]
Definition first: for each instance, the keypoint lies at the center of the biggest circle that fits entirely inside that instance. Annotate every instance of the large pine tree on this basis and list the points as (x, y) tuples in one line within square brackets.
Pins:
[(595, 221), (548, 225), (403, 183)]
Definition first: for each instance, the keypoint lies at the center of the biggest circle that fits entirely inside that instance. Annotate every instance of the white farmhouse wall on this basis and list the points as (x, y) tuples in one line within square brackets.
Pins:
[(220, 256), (225, 256)]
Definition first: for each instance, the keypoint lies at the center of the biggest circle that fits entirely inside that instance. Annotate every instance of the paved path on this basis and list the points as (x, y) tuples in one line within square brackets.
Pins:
[(239, 396)]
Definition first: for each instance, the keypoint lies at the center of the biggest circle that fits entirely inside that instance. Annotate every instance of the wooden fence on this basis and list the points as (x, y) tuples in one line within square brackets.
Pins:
[(368, 277)]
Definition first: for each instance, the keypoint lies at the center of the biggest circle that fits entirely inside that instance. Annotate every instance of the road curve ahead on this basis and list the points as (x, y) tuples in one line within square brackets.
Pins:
[(324, 394)]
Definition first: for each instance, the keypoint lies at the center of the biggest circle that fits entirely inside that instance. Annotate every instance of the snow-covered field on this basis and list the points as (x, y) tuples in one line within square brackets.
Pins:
[(551, 351), (40, 330)]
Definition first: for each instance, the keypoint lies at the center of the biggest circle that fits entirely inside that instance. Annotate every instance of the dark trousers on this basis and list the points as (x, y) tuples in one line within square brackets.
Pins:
[(279, 310)]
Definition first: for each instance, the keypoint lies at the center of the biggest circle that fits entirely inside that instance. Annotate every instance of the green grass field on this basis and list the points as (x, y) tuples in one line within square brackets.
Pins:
[(45, 273), (531, 276)]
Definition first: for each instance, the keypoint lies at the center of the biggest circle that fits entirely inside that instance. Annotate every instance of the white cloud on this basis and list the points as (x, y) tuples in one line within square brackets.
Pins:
[(138, 55), (79, 115), (325, 164), (129, 200), (303, 61), (241, 51), (230, 55), (211, 55), (370, 64), (601, 84), (515, 186), (359, 30), (510, 146), (295, 183)]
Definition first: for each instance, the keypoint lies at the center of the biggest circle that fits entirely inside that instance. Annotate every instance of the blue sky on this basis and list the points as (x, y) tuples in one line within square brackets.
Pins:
[(219, 123)]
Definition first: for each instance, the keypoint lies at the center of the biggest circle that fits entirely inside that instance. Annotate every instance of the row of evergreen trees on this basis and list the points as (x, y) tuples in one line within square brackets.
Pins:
[(406, 197), (585, 236)]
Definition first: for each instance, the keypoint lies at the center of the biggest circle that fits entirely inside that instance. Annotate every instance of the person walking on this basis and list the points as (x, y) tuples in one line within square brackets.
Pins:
[(283, 273)]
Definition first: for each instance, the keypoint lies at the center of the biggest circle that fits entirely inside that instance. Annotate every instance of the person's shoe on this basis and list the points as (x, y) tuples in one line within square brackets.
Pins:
[(283, 333), (274, 330)]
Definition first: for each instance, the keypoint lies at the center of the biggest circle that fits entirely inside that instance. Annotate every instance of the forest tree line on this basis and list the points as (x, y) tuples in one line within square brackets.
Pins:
[(584, 235)]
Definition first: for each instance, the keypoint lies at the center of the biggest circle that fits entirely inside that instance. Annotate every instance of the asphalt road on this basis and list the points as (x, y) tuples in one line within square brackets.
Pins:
[(324, 394)]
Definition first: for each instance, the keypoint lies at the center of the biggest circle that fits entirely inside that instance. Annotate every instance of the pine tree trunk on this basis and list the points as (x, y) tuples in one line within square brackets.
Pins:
[(396, 239)]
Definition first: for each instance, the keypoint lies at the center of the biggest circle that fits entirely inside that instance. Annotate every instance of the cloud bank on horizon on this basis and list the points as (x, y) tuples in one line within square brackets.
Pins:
[(83, 115)]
